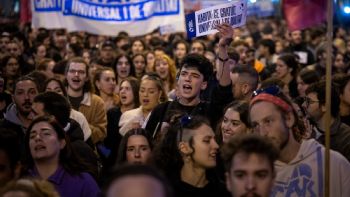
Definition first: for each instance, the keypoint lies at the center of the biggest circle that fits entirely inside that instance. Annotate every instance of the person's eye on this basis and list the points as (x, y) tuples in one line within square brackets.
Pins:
[(236, 124), (46, 133), (239, 175), (130, 149), (32, 136), (262, 175)]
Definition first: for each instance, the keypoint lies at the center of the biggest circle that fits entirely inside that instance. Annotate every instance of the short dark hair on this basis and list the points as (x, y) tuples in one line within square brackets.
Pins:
[(309, 76), (249, 144), (25, 78), (249, 72), (269, 44), (200, 62), (341, 80), (319, 88), (55, 105), (138, 169)]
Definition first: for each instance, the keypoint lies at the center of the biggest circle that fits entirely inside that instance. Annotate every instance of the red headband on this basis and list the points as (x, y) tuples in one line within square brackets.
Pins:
[(272, 99)]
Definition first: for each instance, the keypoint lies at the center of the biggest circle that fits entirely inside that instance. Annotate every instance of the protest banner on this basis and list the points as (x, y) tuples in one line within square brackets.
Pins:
[(203, 22), (108, 17)]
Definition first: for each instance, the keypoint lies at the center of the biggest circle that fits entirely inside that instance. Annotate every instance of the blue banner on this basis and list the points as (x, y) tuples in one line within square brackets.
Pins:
[(47, 5), (96, 15)]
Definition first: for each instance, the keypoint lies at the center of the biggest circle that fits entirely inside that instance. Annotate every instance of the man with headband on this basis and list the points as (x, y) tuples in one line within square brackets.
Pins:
[(300, 165)]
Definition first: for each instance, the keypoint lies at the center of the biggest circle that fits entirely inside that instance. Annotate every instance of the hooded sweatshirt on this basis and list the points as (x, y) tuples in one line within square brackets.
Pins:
[(11, 117), (304, 175)]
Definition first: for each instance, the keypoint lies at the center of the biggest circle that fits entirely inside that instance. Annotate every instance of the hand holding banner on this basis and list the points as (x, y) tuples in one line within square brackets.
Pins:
[(204, 22)]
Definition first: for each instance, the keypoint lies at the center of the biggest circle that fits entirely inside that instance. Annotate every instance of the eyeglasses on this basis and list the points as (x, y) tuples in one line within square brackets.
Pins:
[(308, 101), (184, 121), (273, 90), (80, 72)]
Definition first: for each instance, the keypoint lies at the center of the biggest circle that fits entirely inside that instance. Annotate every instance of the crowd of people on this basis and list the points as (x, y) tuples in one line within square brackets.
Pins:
[(237, 113)]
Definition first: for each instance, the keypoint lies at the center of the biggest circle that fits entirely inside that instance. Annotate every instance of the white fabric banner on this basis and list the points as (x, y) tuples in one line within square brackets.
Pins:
[(204, 21), (108, 17)]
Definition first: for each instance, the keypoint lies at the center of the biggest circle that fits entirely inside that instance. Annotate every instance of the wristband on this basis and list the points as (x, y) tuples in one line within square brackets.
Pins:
[(222, 60)]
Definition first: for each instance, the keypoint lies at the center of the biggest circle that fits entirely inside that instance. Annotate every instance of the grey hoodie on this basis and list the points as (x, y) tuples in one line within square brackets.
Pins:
[(304, 175), (11, 116)]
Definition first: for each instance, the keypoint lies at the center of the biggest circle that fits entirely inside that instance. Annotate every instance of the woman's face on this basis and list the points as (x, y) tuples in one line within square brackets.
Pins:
[(125, 93), (162, 68), (41, 51), (12, 67), (53, 86), (282, 70), (49, 69), (139, 64), (137, 47), (205, 147), (301, 86), (137, 150), (150, 59), (149, 94), (231, 125), (44, 143), (92, 69), (123, 67), (86, 57), (70, 53), (180, 51), (339, 61), (107, 83)]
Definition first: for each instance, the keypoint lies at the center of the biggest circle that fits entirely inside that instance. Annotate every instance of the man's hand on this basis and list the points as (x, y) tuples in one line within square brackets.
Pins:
[(225, 33)]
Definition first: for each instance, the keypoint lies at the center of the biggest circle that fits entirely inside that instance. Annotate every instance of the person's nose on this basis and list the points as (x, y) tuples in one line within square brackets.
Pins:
[(250, 184), (137, 153)]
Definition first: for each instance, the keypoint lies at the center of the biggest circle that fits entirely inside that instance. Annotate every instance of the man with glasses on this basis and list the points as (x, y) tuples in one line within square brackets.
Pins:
[(300, 165), (315, 105), (82, 99)]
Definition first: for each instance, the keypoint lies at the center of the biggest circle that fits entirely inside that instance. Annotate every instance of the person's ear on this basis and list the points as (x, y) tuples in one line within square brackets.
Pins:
[(62, 143), (184, 148), (290, 119), (245, 88)]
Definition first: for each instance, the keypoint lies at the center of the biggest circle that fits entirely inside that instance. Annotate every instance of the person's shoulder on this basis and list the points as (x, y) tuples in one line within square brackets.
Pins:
[(114, 111), (96, 98)]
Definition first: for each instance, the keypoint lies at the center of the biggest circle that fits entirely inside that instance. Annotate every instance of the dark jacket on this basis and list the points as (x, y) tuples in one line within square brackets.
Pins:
[(213, 110), (340, 138)]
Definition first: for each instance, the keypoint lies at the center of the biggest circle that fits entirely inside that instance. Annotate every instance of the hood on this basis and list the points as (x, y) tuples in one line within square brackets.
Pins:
[(11, 114), (307, 149)]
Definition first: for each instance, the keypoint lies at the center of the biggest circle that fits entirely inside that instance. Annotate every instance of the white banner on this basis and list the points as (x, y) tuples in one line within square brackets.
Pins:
[(108, 17), (203, 22)]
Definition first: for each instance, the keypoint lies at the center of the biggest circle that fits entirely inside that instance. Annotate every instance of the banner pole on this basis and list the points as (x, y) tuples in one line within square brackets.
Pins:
[(328, 95)]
